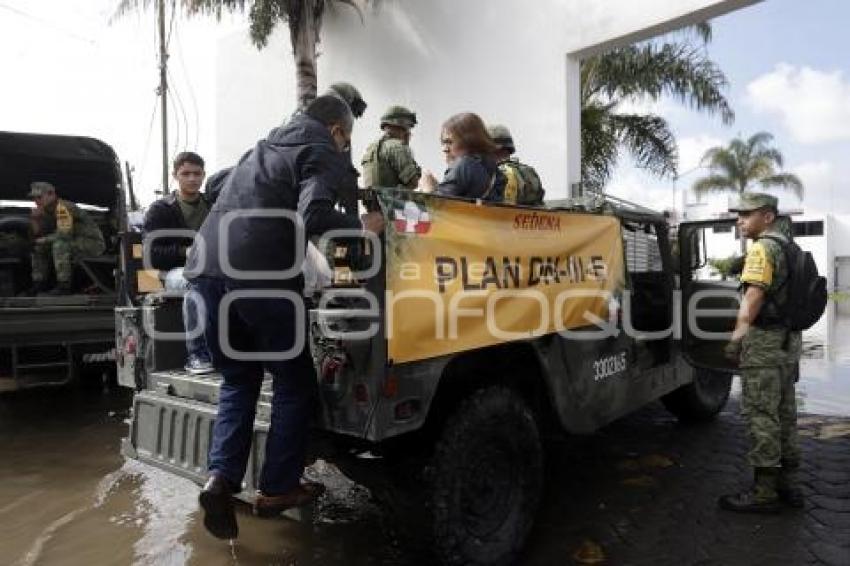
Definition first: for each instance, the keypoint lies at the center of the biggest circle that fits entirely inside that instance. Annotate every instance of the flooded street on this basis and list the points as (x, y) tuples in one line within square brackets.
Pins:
[(67, 496)]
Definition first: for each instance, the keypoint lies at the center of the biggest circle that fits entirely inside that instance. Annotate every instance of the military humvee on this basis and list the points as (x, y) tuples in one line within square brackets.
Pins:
[(47, 340), (467, 334)]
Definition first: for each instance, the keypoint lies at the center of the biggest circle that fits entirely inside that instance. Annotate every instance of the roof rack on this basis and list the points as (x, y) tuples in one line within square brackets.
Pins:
[(593, 201)]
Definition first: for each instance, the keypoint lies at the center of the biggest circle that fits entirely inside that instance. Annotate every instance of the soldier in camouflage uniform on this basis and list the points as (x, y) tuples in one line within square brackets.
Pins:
[(62, 232), (523, 183), (768, 354), (389, 161)]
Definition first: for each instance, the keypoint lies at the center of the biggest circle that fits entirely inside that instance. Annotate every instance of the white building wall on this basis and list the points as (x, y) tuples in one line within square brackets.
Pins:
[(504, 59)]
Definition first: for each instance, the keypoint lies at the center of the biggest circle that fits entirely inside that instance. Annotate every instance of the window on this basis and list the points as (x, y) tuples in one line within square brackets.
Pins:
[(726, 228), (642, 252), (808, 228)]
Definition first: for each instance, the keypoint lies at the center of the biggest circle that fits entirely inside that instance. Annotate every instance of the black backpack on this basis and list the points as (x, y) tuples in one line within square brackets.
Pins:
[(807, 297)]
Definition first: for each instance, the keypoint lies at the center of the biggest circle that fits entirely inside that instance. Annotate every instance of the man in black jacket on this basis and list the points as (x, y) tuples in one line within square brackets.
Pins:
[(184, 209), (246, 262)]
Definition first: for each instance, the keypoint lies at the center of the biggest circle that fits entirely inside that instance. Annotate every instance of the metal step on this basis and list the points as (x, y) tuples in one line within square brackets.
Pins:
[(202, 388)]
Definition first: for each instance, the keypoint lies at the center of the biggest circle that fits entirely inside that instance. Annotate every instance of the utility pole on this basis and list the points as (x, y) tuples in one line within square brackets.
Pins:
[(163, 93)]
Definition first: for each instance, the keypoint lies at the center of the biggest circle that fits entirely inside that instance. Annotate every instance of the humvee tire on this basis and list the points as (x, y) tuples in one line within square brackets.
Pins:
[(487, 478), (701, 400)]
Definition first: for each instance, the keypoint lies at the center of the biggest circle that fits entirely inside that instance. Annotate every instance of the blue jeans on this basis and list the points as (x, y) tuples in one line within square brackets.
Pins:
[(268, 325), (195, 347)]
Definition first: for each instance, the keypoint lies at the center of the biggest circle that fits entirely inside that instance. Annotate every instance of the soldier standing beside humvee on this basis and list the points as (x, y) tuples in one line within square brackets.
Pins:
[(768, 352)]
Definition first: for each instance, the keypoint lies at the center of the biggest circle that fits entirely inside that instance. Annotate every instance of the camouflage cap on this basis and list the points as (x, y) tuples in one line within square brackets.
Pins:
[(39, 188), (350, 95), (398, 116), (502, 136), (754, 201)]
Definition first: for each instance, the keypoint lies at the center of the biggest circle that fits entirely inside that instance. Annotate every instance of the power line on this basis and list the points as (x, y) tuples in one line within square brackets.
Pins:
[(46, 22), (148, 137), (179, 105), (191, 89), (174, 111), (171, 23)]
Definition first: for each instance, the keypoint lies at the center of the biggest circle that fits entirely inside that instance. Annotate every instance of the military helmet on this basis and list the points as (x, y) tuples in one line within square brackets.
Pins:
[(502, 136), (398, 116), (350, 95)]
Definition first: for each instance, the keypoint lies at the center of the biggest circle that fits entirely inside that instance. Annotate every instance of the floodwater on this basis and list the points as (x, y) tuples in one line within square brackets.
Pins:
[(67, 496)]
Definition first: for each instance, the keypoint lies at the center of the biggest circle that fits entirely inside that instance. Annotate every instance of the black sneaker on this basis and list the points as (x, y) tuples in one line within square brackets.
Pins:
[(217, 502), (197, 366)]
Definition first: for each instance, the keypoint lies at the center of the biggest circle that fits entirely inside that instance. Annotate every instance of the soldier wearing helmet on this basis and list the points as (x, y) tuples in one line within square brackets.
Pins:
[(349, 93), (523, 184), (389, 162)]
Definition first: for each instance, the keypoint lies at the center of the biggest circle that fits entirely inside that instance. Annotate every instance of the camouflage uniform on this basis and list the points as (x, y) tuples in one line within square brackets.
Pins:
[(389, 161), (67, 233), (769, 358), (523, 184), (769, 370)]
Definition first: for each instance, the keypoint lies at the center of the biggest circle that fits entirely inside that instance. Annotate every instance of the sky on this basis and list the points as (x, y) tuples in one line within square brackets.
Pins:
[(68, 69), (788, 65)]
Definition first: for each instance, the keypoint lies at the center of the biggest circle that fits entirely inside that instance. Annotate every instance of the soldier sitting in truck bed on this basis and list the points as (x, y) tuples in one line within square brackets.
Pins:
[(62, 232)]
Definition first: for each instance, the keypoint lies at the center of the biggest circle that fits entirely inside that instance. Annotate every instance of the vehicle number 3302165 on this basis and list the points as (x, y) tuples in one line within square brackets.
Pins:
[(609, 366)]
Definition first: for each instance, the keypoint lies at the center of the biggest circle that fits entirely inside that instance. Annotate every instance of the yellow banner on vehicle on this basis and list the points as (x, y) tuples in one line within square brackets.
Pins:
[(462, 276)]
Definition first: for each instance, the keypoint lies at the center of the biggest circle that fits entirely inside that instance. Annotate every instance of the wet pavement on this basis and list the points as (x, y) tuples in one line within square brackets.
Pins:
[(641, 491)]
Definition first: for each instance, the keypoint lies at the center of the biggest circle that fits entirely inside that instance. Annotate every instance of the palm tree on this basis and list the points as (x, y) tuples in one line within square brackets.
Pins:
[(304, 18), (677, 67), (744, 164)]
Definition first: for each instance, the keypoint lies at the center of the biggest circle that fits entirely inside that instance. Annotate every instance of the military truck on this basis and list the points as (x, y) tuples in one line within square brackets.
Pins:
[(50, 340), (462, 339)]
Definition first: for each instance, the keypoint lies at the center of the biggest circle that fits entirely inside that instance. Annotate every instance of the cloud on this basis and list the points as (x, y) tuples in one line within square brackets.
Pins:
[(691, 150), (638, 187), (819, 183), (813, 105)]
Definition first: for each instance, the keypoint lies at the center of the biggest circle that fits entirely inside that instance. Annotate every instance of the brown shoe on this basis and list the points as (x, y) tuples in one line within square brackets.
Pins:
[(273, 505)]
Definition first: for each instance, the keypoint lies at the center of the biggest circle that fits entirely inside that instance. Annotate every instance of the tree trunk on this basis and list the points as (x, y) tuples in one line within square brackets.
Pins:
[(305, 23)]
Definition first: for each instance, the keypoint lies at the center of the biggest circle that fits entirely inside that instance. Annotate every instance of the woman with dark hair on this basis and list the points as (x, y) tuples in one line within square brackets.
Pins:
[(470, 154)]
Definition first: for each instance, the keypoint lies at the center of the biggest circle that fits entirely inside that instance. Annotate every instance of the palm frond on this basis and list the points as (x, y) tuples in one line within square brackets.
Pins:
[(759, 167), (210, 7), (770, 155), (759, 140), (704, 31), (599, 141), (677, 70), (713, 183), (784, 181), (650, 141), (721, 160)]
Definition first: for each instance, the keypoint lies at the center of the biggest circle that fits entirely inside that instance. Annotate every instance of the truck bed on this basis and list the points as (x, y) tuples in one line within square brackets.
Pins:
[(43, 340), (62, 319)]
